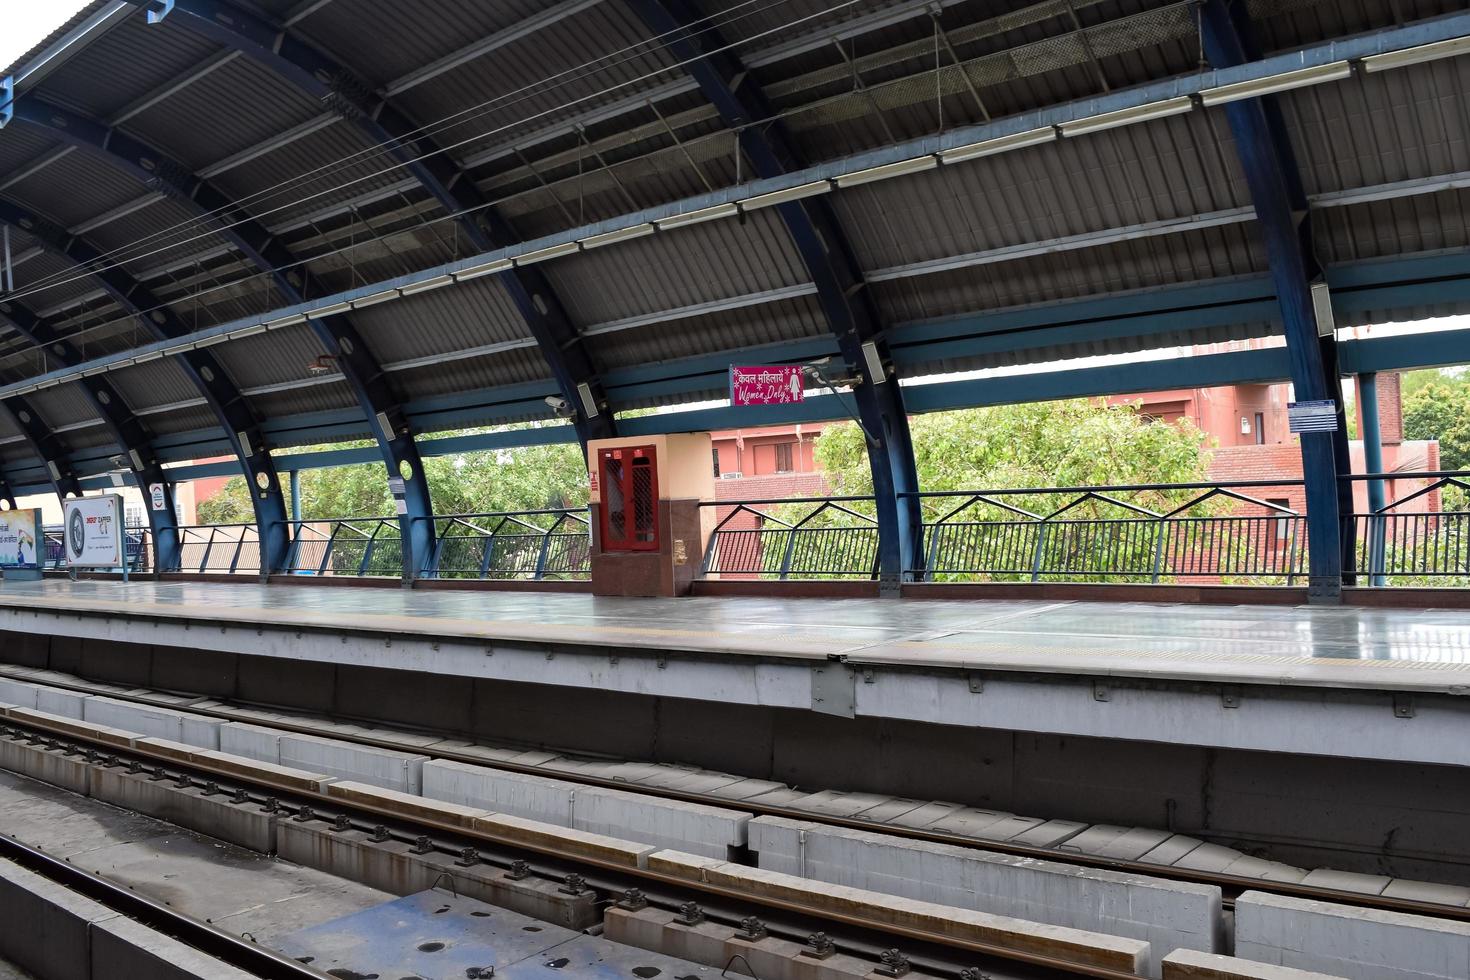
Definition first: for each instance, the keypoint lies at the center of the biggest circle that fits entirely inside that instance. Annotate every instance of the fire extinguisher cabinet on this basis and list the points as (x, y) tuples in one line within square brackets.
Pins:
[(648, 529)]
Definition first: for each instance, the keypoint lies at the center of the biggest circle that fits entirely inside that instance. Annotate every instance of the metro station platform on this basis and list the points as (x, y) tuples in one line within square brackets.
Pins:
[(1359, 682)]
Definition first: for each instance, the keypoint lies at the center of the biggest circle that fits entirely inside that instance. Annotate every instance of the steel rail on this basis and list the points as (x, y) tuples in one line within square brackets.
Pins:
[(623, 875), (204, 936), (1230, 885)]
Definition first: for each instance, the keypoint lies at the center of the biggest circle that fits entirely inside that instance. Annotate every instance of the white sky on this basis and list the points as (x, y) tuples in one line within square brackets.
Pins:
[(27, 22)]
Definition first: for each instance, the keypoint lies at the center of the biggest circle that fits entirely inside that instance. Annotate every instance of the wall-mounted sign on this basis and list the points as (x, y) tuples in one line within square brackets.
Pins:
[(20, 539), (1312, 416), (92, 532), (771, 385), (157, 497)]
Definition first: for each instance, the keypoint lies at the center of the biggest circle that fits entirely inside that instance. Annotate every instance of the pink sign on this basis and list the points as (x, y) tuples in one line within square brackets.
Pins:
[(778, 385)]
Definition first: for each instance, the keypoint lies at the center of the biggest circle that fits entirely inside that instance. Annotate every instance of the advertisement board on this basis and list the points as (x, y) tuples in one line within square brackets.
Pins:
[(771, 385), (21, 539), (93, 532)]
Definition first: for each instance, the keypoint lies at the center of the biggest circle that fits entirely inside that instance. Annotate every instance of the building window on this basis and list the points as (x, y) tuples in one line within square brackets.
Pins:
[(783, 457), (134, 515), (716, 451), (1260, 429), (1283, 521)]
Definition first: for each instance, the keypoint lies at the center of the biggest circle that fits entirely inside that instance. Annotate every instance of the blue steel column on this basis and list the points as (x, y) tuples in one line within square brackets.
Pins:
[(202, 369), (131, 436), (1372, 435), (851, 314), (382, 123), (1270, 170)]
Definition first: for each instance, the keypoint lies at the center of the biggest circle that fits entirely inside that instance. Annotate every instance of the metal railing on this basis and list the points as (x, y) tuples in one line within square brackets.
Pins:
[(809, 537), (361, 547), (220, 549), (1143, 532), (1426, 545), (531, 545)]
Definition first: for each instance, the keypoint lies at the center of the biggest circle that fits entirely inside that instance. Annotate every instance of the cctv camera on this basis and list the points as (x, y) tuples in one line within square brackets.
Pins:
[(560, 406)]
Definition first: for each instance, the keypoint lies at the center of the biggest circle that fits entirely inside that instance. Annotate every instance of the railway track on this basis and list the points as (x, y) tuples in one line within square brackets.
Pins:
[(931, 951), (208, 939), (1230, 885)]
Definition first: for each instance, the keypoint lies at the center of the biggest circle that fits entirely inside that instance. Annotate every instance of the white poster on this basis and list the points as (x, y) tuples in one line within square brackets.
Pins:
[(93, 532)]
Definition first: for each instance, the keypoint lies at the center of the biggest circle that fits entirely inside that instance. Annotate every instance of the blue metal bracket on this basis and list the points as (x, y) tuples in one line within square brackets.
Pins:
[(1266, 157), (382, 123), (158, 10), (7, 100), (201, 367), (851, 314)]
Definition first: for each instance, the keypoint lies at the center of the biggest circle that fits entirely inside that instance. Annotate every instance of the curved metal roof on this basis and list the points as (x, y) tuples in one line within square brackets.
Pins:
[(560, 116)]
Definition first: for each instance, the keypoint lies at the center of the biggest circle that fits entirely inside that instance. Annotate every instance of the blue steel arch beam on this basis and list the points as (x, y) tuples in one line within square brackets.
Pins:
[(1269, 163), (337, 334), (201, 367), (130, 434), (851, 313), (47, 445), (380, 122)]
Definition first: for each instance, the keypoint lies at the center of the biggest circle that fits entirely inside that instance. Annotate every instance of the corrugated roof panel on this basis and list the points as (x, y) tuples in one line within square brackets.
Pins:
[(1382, 128), (455, 318), (361, 30), (75, 188), (534, 80), (301, 401), (63, 405), (261, 104), (271, 358), (1096, 183), (506, 368), (678, 268), (49, 280), (1403, 226), (163, 234), (154, 383), (310, 175), (23, 146), (1229, 250), (192, 419), (134, 58), (769, 323)]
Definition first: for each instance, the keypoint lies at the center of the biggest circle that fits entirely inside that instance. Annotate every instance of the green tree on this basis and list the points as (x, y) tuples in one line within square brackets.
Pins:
[(526, 478), (1437, 406)]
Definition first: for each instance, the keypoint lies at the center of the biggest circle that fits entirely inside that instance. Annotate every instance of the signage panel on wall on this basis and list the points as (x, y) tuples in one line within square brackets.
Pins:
[(1312, 416), (772, 385), (20, 539), (93, 532)]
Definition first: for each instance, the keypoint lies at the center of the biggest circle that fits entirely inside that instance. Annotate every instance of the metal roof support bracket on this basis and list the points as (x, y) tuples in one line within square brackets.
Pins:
[(851, 314), (7, 100), (158, 10), (382, 123), (1269, 164)]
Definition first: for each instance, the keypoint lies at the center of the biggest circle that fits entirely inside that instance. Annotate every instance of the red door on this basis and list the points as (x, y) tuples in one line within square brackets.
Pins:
[(629, 499)]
